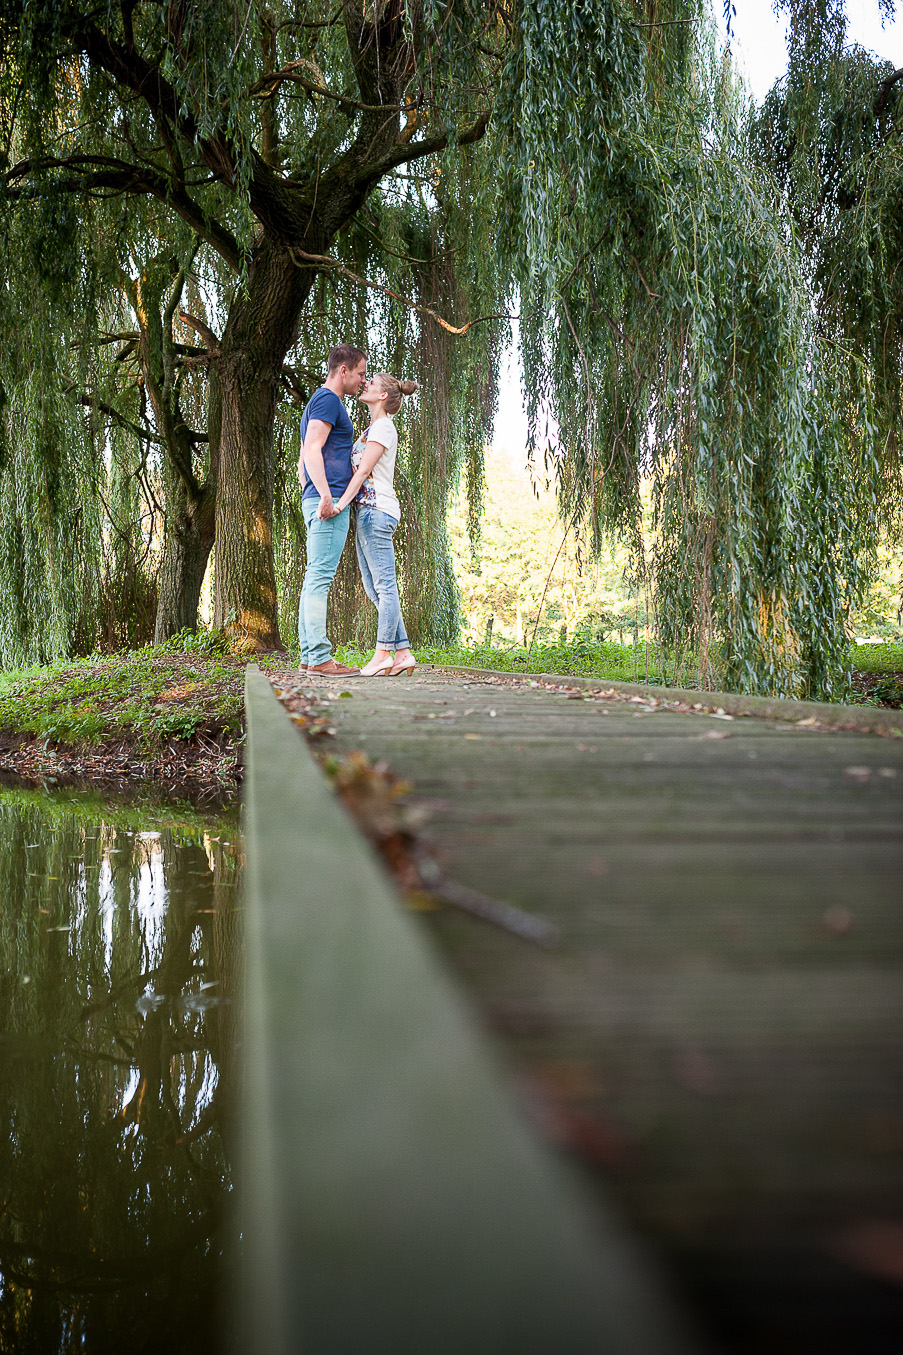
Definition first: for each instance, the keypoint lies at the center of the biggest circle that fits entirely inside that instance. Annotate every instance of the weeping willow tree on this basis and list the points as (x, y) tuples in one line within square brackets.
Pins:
[(241, 144), (830, 132), (389, 173)]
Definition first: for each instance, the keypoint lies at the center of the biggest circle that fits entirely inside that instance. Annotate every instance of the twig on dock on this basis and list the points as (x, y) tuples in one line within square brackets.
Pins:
[(512, 919)]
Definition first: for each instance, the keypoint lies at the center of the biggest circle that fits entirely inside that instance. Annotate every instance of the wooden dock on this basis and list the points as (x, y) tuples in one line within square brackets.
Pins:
[(393, 1199), (716, 1037)]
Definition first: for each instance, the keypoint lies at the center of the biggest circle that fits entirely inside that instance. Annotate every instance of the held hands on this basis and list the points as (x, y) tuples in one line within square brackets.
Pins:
[(327, 508)]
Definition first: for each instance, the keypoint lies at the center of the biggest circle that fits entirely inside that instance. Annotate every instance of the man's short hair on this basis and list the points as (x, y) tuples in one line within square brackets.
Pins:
[(346, 355)]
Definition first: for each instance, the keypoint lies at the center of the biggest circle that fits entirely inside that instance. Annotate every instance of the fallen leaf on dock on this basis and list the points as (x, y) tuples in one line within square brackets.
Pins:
[(874, 1246)]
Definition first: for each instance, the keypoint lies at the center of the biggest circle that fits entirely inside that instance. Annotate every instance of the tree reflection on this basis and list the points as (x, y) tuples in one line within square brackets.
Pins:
[(118, 950)]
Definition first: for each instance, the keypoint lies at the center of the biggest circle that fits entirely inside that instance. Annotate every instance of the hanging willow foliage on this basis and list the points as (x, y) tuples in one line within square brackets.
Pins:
[(73, 543), (385, 174), (669, 329), (421, 241)]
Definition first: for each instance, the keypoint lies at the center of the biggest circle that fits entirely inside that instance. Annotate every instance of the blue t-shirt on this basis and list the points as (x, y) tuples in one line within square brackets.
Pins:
[(325, 405)]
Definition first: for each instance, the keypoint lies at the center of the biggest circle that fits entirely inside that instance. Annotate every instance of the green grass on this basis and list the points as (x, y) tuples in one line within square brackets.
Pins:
[(608, 659), (883, 658), (618, 663), (147, 696), (878, 678)]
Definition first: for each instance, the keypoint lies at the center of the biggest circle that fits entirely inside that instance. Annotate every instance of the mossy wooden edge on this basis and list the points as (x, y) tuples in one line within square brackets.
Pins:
[(863, 719), (390, 1196)]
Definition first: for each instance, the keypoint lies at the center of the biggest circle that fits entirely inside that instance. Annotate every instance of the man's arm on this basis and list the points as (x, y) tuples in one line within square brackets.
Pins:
[(311, 459)]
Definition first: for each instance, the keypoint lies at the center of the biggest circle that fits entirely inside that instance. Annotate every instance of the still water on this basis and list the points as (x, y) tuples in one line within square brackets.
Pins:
[(118, 950)]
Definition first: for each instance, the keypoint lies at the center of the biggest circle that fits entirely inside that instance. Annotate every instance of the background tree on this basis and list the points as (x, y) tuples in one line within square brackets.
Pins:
[(830, 132)]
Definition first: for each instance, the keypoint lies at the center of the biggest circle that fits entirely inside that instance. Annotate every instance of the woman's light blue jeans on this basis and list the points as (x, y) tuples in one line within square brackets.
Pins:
[(325, 543), (376, 558)]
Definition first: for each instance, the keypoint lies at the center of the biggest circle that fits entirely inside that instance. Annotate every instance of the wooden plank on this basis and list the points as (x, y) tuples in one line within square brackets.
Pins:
[(392, 1198), (831, 715)]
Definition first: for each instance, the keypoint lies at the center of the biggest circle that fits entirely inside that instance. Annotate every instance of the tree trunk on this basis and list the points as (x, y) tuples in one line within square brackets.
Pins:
[(188, 540), (261, 328), (189, 506)]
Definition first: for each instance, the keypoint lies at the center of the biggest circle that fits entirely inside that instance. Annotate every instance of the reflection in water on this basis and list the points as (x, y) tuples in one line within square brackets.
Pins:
[(117, 954)]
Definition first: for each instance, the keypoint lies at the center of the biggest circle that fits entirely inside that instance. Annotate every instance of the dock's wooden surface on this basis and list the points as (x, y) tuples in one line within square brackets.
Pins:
[(718, 1034)]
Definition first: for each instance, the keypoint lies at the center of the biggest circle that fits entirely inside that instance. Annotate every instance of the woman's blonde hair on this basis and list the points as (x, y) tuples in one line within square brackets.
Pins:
[(395, 390)]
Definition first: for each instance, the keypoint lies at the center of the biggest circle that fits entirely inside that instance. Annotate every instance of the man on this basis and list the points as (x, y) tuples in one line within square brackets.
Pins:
[(324, 468)]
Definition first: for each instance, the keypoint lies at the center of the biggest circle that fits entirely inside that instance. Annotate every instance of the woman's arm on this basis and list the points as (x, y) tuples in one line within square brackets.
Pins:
[(369, 457)]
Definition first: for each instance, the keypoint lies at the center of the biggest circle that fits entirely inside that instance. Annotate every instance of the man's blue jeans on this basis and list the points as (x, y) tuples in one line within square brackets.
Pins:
[(325, 543), (376, 559)]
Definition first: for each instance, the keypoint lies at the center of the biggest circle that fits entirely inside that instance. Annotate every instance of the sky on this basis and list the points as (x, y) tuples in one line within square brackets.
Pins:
[(759, 46)]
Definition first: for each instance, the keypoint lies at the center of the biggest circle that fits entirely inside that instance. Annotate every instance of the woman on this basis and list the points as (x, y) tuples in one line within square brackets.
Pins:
[(378, 513)]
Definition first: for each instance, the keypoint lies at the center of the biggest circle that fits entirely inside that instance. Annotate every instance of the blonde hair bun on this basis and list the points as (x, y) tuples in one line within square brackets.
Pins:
[(394, 389)]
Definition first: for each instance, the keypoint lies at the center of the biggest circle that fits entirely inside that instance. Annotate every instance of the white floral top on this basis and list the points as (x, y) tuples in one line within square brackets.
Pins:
[(378, 491)]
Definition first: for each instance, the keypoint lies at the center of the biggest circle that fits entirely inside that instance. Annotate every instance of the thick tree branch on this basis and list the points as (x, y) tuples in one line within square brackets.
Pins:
[(92, 402), (416, 150), (273, 199), (884, 90), (213, 344), (267, 85), (129, 68), (307, 23)]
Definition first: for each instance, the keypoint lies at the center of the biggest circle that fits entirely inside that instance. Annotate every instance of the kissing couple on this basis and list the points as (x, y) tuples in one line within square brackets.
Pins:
[(336, 471)]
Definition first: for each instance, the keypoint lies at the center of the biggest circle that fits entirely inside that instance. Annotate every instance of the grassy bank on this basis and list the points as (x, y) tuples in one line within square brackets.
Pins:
[(147, 696), (170, 714)]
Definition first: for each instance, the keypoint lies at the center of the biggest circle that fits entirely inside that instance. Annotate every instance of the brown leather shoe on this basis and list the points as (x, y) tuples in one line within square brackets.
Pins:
[(332, 669)]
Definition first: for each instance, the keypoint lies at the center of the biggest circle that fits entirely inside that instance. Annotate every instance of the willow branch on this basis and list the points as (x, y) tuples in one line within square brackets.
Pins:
[(267, 85), (309, 23), (92, 402), (118, 176), (416, 150), (653, 296), (321, 261), (542, 600), (408, 258)]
